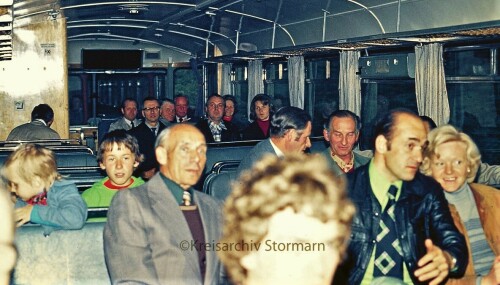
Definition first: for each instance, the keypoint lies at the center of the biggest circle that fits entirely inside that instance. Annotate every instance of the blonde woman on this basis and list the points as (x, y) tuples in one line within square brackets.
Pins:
[(286, 222), (452, 159)]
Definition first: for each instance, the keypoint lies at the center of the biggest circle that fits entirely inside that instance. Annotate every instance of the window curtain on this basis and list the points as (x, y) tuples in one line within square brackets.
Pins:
[(225, 87), (296, 81), (430, 84), (350, 82), (255, 81)]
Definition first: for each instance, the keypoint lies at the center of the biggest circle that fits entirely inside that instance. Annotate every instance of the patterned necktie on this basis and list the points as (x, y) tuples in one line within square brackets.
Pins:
[(154, 131), (186, 198), (388, 253)]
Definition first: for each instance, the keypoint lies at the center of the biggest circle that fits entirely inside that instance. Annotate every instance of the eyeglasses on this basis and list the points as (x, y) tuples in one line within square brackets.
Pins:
[(153, 109)]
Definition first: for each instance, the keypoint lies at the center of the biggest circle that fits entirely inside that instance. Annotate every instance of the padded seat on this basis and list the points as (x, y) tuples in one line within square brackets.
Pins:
[(63, 257)]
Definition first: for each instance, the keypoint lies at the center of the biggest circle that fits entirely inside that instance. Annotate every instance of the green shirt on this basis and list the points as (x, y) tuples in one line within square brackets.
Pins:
[(380, 186), (176, 189), (100, 196)]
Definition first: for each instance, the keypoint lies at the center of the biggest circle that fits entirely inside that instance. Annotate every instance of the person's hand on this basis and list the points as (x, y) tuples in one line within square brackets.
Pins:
[(22, 215), (434, 265)]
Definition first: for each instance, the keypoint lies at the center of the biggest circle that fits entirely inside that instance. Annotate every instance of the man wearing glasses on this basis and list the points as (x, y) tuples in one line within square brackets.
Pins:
[(213, 127), (146, 133)]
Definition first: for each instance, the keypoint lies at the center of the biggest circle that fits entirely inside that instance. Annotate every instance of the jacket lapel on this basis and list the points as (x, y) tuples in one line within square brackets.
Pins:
[(169, 213)]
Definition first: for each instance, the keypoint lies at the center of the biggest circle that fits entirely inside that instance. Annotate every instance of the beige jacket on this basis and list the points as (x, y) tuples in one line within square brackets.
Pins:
[(488, 205)]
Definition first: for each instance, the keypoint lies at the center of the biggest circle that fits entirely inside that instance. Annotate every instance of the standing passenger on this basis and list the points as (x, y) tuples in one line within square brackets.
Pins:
[(42, 118), (45, 198), (290, 130), (261, 111), (403, 228), (156, 232)]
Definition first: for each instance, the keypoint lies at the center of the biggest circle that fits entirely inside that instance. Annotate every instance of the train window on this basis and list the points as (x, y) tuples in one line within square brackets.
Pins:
[(474, 62), (480, 121), (380, 96), (239, 89), (186, 83), (276, 83), (321, 90)]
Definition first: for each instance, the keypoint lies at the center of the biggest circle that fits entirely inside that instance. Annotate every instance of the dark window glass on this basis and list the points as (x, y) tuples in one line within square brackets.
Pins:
[(467, 62), (378, 97), (475, 109)]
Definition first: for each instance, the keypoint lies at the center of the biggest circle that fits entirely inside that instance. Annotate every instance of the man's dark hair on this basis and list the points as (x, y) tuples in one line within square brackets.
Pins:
[(266, 100), (150, 98), (121, 138), (212, 96), (128, 99), (385, 124), (287, 118), (343, 114), (430, 121), (43, 112)]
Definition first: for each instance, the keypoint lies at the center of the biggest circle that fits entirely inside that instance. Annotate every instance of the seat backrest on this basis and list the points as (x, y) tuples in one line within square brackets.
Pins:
[(218, 185), (63, 257)]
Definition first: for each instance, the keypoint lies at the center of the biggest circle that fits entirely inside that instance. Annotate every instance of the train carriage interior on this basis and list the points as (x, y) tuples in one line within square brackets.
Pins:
[(84, 57)]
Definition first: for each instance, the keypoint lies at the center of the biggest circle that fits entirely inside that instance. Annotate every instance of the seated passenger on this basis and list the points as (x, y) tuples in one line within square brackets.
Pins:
[(42, 118), (231, 112), (129, 119), (44, 197), (290, 130), (261, 111), (7, 248), (282, 202), (118, 155), (452, 159), (213, 127)]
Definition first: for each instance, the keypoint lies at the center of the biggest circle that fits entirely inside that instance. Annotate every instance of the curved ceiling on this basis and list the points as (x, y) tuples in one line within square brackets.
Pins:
[(195, 27)]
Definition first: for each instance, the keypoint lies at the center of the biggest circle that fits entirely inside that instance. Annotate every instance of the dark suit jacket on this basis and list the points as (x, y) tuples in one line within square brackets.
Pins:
[(229, 135), (254, 132), (259, 150), (148, 241), (146, 140)]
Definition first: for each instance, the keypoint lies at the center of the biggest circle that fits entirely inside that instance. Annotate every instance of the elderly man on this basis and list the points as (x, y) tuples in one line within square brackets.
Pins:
[(146, 133), (129, 120), (342, 132), (182, 110), (213, 127), (167, 112), (403, 228), (289, 133), (42, 118), (156, 233)]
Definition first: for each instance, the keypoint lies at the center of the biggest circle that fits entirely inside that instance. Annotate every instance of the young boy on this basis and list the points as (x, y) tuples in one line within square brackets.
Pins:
[(119, 155), (44, 197)]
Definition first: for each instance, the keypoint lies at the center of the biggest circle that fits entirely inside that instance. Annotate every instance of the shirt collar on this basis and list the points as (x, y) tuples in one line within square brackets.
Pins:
[(278, 151), (380, 185), (175, 189), (41, 121)]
